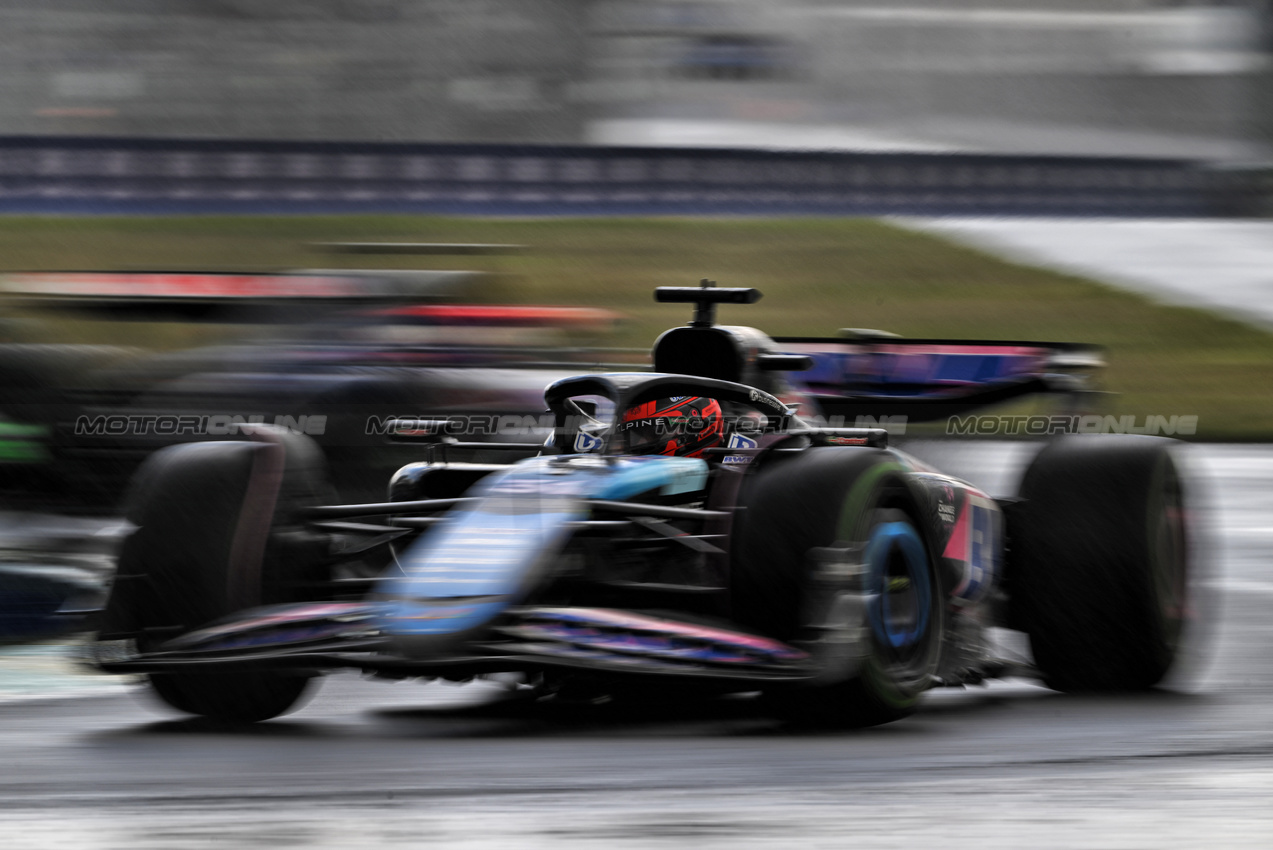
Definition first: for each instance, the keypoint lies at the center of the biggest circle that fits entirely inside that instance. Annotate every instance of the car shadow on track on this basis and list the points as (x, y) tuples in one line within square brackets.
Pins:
[(203, 726), (524, 714), (747, 716)]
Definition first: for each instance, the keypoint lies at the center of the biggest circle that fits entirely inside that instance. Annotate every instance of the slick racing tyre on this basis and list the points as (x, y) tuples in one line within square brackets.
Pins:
[(1098, 565), (214, 536), (808, 522)]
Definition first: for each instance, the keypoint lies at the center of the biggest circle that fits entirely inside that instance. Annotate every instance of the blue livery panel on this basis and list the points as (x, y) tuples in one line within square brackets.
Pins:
[(486, 557)]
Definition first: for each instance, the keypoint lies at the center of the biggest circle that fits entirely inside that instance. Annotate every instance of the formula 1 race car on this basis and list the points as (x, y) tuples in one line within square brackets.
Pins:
[(679, 530), (319, 353)]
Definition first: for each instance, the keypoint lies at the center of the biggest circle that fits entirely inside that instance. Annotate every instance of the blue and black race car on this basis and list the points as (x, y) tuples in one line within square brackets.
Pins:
[(686, 528)]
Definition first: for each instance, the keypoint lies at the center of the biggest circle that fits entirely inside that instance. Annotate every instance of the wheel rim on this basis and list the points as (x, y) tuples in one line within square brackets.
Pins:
[(900, 587)]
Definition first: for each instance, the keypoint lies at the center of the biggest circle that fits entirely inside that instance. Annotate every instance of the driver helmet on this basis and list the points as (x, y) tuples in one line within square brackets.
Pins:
[(685, 426)]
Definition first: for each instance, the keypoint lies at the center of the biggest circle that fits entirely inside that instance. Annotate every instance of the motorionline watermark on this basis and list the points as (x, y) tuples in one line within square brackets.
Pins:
[(197, 425), (1040, 425), (465, 425), (514, 425)]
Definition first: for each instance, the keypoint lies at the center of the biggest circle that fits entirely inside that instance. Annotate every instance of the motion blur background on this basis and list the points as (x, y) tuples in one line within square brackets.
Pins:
[(1127, 77)]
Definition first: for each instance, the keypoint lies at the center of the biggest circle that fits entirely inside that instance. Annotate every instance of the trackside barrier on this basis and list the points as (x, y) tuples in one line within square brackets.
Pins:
[(121, 175)]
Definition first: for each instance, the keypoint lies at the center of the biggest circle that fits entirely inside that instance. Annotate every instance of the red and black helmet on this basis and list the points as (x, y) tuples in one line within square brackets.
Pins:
[(682, 425)]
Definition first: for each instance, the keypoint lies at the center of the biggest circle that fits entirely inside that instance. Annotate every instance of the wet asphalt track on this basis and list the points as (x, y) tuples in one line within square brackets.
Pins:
[(383, 765)]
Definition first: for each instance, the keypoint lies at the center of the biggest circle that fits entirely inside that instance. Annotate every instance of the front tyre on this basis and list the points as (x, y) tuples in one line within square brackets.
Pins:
[(830, 557), (215, 535)]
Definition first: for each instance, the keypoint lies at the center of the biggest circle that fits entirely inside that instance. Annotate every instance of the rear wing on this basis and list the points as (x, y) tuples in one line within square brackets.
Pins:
[(930, 379)]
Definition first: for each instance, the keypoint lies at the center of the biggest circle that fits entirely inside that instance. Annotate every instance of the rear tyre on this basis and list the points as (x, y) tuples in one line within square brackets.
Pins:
[(1099, 563), (213, 538), (875, 663)]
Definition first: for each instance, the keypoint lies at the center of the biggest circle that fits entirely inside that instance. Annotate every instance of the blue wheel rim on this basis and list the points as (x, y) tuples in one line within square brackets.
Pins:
[(890, 625)]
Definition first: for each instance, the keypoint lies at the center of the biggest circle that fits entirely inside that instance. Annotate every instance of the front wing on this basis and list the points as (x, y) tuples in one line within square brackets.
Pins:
[(327, 636)]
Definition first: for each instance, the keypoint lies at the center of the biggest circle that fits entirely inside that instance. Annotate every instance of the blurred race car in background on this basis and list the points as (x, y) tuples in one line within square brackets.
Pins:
[(329, 355), (685, 530)]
